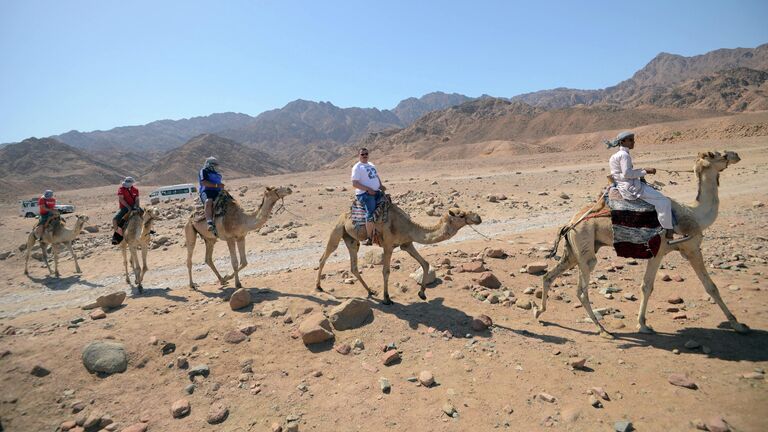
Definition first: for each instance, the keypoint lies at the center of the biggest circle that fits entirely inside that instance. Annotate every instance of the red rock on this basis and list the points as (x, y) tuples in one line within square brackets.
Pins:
[(598, 391), (675, 300), (536, 267), (137, 427), (489, 280), (717, 424), (577, 362), (426, 378), (390, 357), (180, 408), (67, 425), (481, 323), (665, 277), (240, 299), (248, 329), (369, 368), (343, 349), (217, 414), (234, 337), (681, 380), (473, 267), (98, 314), (315, 328), (672, 309), (677, 278), (680, 316)]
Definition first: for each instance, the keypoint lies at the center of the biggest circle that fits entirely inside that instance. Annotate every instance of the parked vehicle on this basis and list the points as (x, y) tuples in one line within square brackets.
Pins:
[(29, 208), (166, 193)]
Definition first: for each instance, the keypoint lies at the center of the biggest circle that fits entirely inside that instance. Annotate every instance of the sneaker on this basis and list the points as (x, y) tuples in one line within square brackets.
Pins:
[(116, 238), (212, 228), (368, 242)]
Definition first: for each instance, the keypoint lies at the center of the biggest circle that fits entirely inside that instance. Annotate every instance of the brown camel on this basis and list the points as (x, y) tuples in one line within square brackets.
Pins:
[(136, 236), (60, 234), (400, 231), (232, 228), (584, 239)]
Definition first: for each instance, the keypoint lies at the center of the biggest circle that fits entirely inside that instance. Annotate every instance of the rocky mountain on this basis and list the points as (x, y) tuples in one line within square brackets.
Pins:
[(181, 165), (34, 165), (662, 75), (409, 110), (155, 137)]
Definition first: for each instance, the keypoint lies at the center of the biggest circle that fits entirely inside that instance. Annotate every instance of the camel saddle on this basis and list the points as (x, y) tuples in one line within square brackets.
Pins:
[(220, 206), (127, 216), (380, 214), (51, 224), (636, 228)]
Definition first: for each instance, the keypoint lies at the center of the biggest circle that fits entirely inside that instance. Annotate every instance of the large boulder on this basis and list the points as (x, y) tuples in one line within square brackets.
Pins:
[(315, 329), (418, 275), (350, 314), (240, 299), (536, 267), (111, 301), (489, 280), (105, 357)]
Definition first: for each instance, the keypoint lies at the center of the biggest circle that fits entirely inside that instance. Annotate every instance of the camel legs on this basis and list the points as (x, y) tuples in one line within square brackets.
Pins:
[(55, 259), (74, 257), (647, 288), (567, 262), (135, 265), (124, 250), (191, 238), (209, 260), (693, 255), (333, 243), (241, 250), (385, 271), (353, 246), (232, 245), (586, 265), (144, 266), (408, 247), (31, 240)]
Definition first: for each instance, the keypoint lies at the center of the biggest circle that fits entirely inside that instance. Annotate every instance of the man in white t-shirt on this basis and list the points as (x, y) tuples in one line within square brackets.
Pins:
[(368, 189)]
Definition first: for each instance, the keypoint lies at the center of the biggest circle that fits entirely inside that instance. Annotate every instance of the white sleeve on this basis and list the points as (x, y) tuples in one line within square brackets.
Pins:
[(356, 173), (627, 171)]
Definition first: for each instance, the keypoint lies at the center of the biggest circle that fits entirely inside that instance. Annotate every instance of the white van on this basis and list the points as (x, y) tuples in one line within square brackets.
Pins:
[(29, 208), (166, 193)]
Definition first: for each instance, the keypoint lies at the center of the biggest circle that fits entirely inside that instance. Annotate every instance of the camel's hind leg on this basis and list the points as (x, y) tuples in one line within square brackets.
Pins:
[(125, 263), (693, 255), (567, 262), (243, 255), (330, 247), (135, 265), (385, 271), (190, 238), (647, 289), (55, 259), (586, 265), (354, 246), (408, 247), (232, 245), (209, 260), (74, 257), (31, 240)]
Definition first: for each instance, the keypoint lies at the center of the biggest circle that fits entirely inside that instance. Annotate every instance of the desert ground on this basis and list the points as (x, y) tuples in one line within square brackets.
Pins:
[(495, 379)]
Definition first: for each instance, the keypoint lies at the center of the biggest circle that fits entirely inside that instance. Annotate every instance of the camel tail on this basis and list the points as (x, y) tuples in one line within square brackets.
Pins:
[(560, 234)]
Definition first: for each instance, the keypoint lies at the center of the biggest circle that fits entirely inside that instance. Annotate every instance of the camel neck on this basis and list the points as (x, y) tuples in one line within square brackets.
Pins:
[(257, 219), (707, 202), (429, 235)]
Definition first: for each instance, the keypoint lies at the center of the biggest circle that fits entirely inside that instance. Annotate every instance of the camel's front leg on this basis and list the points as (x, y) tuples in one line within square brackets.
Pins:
[(191, 239), (647, 289), (30, 244), (55, 259), (408, 247), (354, 246), (694, 256), (125, 262), (333, 243), (209, 260), (144, 267), (385, 272), (74, 257), (135, 266), (241, 251), (567, 262), (232, 245)]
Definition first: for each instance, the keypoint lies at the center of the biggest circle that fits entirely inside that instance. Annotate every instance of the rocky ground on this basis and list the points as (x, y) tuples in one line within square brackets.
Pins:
[(471, 357)]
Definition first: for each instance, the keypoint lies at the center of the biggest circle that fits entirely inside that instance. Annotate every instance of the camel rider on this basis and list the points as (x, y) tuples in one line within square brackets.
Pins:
[(628, 181), (128, 198), (210, 187), (47, 205), (368, 189)]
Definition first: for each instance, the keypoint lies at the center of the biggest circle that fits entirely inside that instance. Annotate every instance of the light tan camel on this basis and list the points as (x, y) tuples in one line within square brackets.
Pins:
[(232, 228), (585, 238), (400, 231), (135, 237), (60, 234)]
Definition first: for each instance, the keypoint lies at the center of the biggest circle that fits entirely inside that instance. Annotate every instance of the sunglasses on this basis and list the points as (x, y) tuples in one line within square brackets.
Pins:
[(363, 154)]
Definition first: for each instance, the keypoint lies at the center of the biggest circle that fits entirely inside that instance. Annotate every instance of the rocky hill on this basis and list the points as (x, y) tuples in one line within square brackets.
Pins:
[(34, 165), (409, 110), (181, 164), (663, 75)]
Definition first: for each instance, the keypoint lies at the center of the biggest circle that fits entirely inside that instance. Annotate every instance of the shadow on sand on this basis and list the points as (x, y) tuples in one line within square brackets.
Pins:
[(63, 283)]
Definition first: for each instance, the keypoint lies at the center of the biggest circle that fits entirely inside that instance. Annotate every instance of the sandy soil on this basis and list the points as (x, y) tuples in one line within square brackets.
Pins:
[(495, 382)]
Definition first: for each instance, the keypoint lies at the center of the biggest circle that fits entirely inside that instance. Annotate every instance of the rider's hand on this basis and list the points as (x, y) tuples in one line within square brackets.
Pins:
[(650, 170), (371, 192), (383, 188)]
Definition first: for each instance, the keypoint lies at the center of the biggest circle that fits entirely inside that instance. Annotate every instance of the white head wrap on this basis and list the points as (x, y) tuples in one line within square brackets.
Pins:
[(620, 137)]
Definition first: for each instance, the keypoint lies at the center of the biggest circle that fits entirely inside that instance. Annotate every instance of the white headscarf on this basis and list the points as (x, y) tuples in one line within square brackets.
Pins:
[(617, 141)]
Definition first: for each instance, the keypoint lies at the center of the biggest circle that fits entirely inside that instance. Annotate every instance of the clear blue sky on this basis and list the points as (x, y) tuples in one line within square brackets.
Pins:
[(99, 64)]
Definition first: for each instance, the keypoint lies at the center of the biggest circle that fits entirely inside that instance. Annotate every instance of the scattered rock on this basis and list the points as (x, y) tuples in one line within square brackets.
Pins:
[(235, 337), (665, 277), (200, 334), (449, 409), (384, 385), (623, 426), (136, 427), (351, 313), (595, 402), (473, 267), (343, 349), (577, 362), (111, 301), (523, 304), (180, 408), (201, 370), (536, 267), (426, 378), (457, 355), (495, 253), (248, 329), (217, 414), (681, 380), (546, 397), (315, 329), (39, 371), (390, 357), (489, 280), (97, 314), (418, 275), (717, 424), (481, 323), (168, 348), (240, 299), (105, 357), (675, 300)]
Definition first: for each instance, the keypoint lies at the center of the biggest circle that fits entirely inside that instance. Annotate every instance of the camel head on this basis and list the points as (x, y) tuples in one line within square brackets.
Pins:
[(81, 220), (715, 160), (150, 213), (277, 193), (457, 218)]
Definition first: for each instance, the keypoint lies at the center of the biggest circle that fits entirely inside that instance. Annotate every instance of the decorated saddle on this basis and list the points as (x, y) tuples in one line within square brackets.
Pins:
[(380, 215), (220, 206), (636, 229)]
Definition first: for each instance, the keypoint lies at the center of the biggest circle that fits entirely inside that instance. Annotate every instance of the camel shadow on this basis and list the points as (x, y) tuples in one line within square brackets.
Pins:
[(259, 295), (63, 283), (159, 292), (724, 342)]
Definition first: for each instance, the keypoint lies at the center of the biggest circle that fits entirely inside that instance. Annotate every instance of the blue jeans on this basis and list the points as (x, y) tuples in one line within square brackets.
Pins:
[(369, 201)]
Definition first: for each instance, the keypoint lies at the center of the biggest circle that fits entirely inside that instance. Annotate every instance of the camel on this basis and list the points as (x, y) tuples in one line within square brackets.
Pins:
[(232, 228), (60, 234), (400, 231), (584, 238), (136, 236)]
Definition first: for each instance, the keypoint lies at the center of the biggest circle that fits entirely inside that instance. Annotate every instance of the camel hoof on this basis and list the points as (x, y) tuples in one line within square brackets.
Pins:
[(605, 335), (193, 286), (319, 289), (140, 289), (740, 328), (422, 295), (238, 285), (646, 330), (537, 312), (387, 302)]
